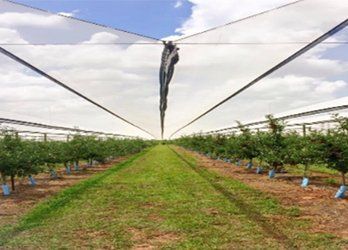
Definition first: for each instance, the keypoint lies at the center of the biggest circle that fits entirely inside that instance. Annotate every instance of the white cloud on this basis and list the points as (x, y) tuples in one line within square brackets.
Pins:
[(273, 96), (16, 19), (10, 36), (178, 4), (208, 14), (124, 77), (103, 37), (210, 73), (70, 14), (326, 87)]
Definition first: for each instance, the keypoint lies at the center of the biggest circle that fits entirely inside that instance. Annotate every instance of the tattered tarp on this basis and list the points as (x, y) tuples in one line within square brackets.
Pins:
[(170, 57)]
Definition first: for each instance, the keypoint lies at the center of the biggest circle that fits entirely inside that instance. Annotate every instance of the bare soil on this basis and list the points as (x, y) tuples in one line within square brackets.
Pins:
[(316, 202), (26, 196), (153, 241)]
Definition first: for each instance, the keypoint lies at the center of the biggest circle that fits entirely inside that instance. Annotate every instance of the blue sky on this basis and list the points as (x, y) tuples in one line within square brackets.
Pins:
[(155, 18)]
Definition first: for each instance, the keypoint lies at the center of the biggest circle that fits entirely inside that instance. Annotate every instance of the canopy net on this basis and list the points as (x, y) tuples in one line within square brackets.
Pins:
[(107, 79), (116, 69), (217, 63)]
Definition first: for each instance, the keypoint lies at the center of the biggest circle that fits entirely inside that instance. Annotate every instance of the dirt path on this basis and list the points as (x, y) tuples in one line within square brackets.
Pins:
[(329, 215), (25, 196)]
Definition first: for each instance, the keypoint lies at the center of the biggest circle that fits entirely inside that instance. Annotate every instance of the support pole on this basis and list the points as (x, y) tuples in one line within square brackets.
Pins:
[(304, 130)]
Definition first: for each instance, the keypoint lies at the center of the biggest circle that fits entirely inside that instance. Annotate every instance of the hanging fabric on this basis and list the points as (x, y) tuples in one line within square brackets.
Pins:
[(170, 57)]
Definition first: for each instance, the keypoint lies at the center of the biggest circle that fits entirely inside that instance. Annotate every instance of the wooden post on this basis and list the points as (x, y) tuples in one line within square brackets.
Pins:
[(304, 131), (45, 137), (12, 182)]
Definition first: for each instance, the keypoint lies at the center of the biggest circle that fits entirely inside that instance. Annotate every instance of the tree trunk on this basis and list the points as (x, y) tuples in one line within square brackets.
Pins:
[(275, 167), (12, 182), (343, 179), (3, 178), (305, 171)]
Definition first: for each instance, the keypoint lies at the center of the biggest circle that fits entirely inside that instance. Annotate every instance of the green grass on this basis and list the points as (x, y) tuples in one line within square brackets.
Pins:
[(299, 169), (163, 199), (331, 181)]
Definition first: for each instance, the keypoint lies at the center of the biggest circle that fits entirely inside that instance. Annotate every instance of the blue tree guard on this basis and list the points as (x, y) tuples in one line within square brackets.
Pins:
[(271, 174), (5, 190), (341, 192), (238, 163), (76, 166), (32, 181), (68, 169), (249, 165), (305, 182), (259, 170)]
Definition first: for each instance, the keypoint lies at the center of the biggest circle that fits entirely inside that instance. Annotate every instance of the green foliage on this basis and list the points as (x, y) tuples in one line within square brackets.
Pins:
[(304, 150), (246, 144), (166, 194), (276, 148), (12, 155), (336, 148), (24, 158), (33, 160), (274, 144)]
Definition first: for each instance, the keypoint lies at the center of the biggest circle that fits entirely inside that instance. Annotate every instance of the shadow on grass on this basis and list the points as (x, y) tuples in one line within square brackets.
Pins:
[(268, 227)]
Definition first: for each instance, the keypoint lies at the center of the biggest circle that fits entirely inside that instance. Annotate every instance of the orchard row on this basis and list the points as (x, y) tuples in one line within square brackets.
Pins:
[(25, 158), (275, 148)]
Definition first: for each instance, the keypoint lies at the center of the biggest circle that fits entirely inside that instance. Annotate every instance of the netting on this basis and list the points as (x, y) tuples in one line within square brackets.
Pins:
[(317, 117), (116, 69), (217, 63), (119, 70), (308, 83)]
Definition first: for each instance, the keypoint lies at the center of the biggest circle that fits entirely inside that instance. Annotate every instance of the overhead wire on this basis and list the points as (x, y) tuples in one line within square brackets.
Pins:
[(286, 117), (66, 136), (55, 127), (239, 20), (81, 20), (51, 78), (289, 59), (44, 74), (183, 43), (179, 41), (328, 121)]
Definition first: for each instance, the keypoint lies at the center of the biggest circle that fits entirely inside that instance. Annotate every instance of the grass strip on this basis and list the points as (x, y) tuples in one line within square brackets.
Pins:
[(47, 208)]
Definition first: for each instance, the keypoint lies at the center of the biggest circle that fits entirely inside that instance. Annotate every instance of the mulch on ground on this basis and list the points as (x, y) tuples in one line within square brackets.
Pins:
[(316, 202)]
